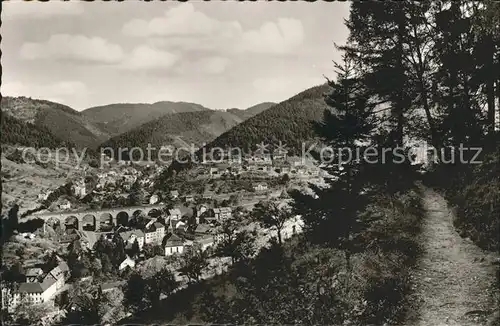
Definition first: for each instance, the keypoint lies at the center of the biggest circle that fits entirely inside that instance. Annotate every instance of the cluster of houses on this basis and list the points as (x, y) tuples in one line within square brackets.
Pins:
[(38, 288), (44, 195), (272, 165), (125, 179), (155, 232)]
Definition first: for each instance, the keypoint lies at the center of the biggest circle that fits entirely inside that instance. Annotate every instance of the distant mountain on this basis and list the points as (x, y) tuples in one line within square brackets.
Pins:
[(290, 121), (179, 130), (123, 117), (58, 119), (183, 129), (18, 132), (251, 111)]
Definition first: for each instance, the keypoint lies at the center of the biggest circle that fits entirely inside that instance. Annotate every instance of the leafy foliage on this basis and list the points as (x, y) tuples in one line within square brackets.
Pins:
[(272, 214), (194, 264), (239, 245)]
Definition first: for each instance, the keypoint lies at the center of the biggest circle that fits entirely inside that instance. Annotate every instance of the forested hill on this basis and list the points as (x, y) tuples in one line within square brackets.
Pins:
[(179, 130), (123, 117), (54, 118), (17, 132), (251, 111), (290, 121)]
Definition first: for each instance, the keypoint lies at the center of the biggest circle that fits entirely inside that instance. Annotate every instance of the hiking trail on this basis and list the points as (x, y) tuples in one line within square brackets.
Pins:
[(454, 279)]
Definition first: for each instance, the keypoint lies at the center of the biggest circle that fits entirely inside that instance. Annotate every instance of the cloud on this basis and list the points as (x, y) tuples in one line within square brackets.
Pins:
[(185, 28), (36, 9), (98, 50), (205, 66), (181, 20), (74, 47), (280, 37), (146, 58), (62, 91)]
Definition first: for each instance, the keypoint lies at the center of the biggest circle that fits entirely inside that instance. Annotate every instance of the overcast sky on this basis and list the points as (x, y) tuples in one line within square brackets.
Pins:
[(218, 54)]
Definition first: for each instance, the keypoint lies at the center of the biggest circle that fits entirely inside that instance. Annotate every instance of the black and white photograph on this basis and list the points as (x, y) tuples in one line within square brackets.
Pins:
[(250, 162)]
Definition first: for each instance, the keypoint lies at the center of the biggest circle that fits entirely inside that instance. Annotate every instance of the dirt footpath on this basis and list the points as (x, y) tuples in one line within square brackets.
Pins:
[(454, 278)]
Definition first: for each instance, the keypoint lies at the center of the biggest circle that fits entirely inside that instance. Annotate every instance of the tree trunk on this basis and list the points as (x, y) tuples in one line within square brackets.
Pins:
[(400, 106), (348, 268), (490, 84), (498, 86), (279, 237)]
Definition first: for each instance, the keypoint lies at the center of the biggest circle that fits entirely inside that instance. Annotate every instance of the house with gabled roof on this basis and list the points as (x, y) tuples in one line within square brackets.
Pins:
[(129, 237), (174, 245), (154, 232), (37, 292), (221, 213)]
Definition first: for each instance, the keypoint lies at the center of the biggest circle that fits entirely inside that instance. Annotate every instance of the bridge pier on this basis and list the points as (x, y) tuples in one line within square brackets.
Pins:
[(79, 215)]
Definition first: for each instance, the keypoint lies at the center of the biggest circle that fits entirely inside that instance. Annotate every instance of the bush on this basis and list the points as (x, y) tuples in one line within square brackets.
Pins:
[(474, 190)]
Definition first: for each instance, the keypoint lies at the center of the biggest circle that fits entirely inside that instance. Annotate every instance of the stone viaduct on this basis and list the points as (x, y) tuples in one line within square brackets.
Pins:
[(91, 220)]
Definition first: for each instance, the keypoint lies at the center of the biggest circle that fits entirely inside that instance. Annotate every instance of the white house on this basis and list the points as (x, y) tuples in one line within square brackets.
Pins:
[(154, 232), (44, 194), (65, 205), (260, 187), (174, 245), (36, 292), (221, 213), (153, 199), (59, 274), (128, 262), (181, 225)]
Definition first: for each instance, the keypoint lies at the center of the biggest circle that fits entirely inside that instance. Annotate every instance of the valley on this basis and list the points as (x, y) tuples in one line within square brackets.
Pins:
[(212, 165)]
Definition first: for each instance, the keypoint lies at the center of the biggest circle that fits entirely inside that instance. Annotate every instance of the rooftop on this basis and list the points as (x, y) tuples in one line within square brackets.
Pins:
[(34, 272), (173, 241), (202, 228), (223, 210), (154, 226), (34, 287), (127, 234)]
